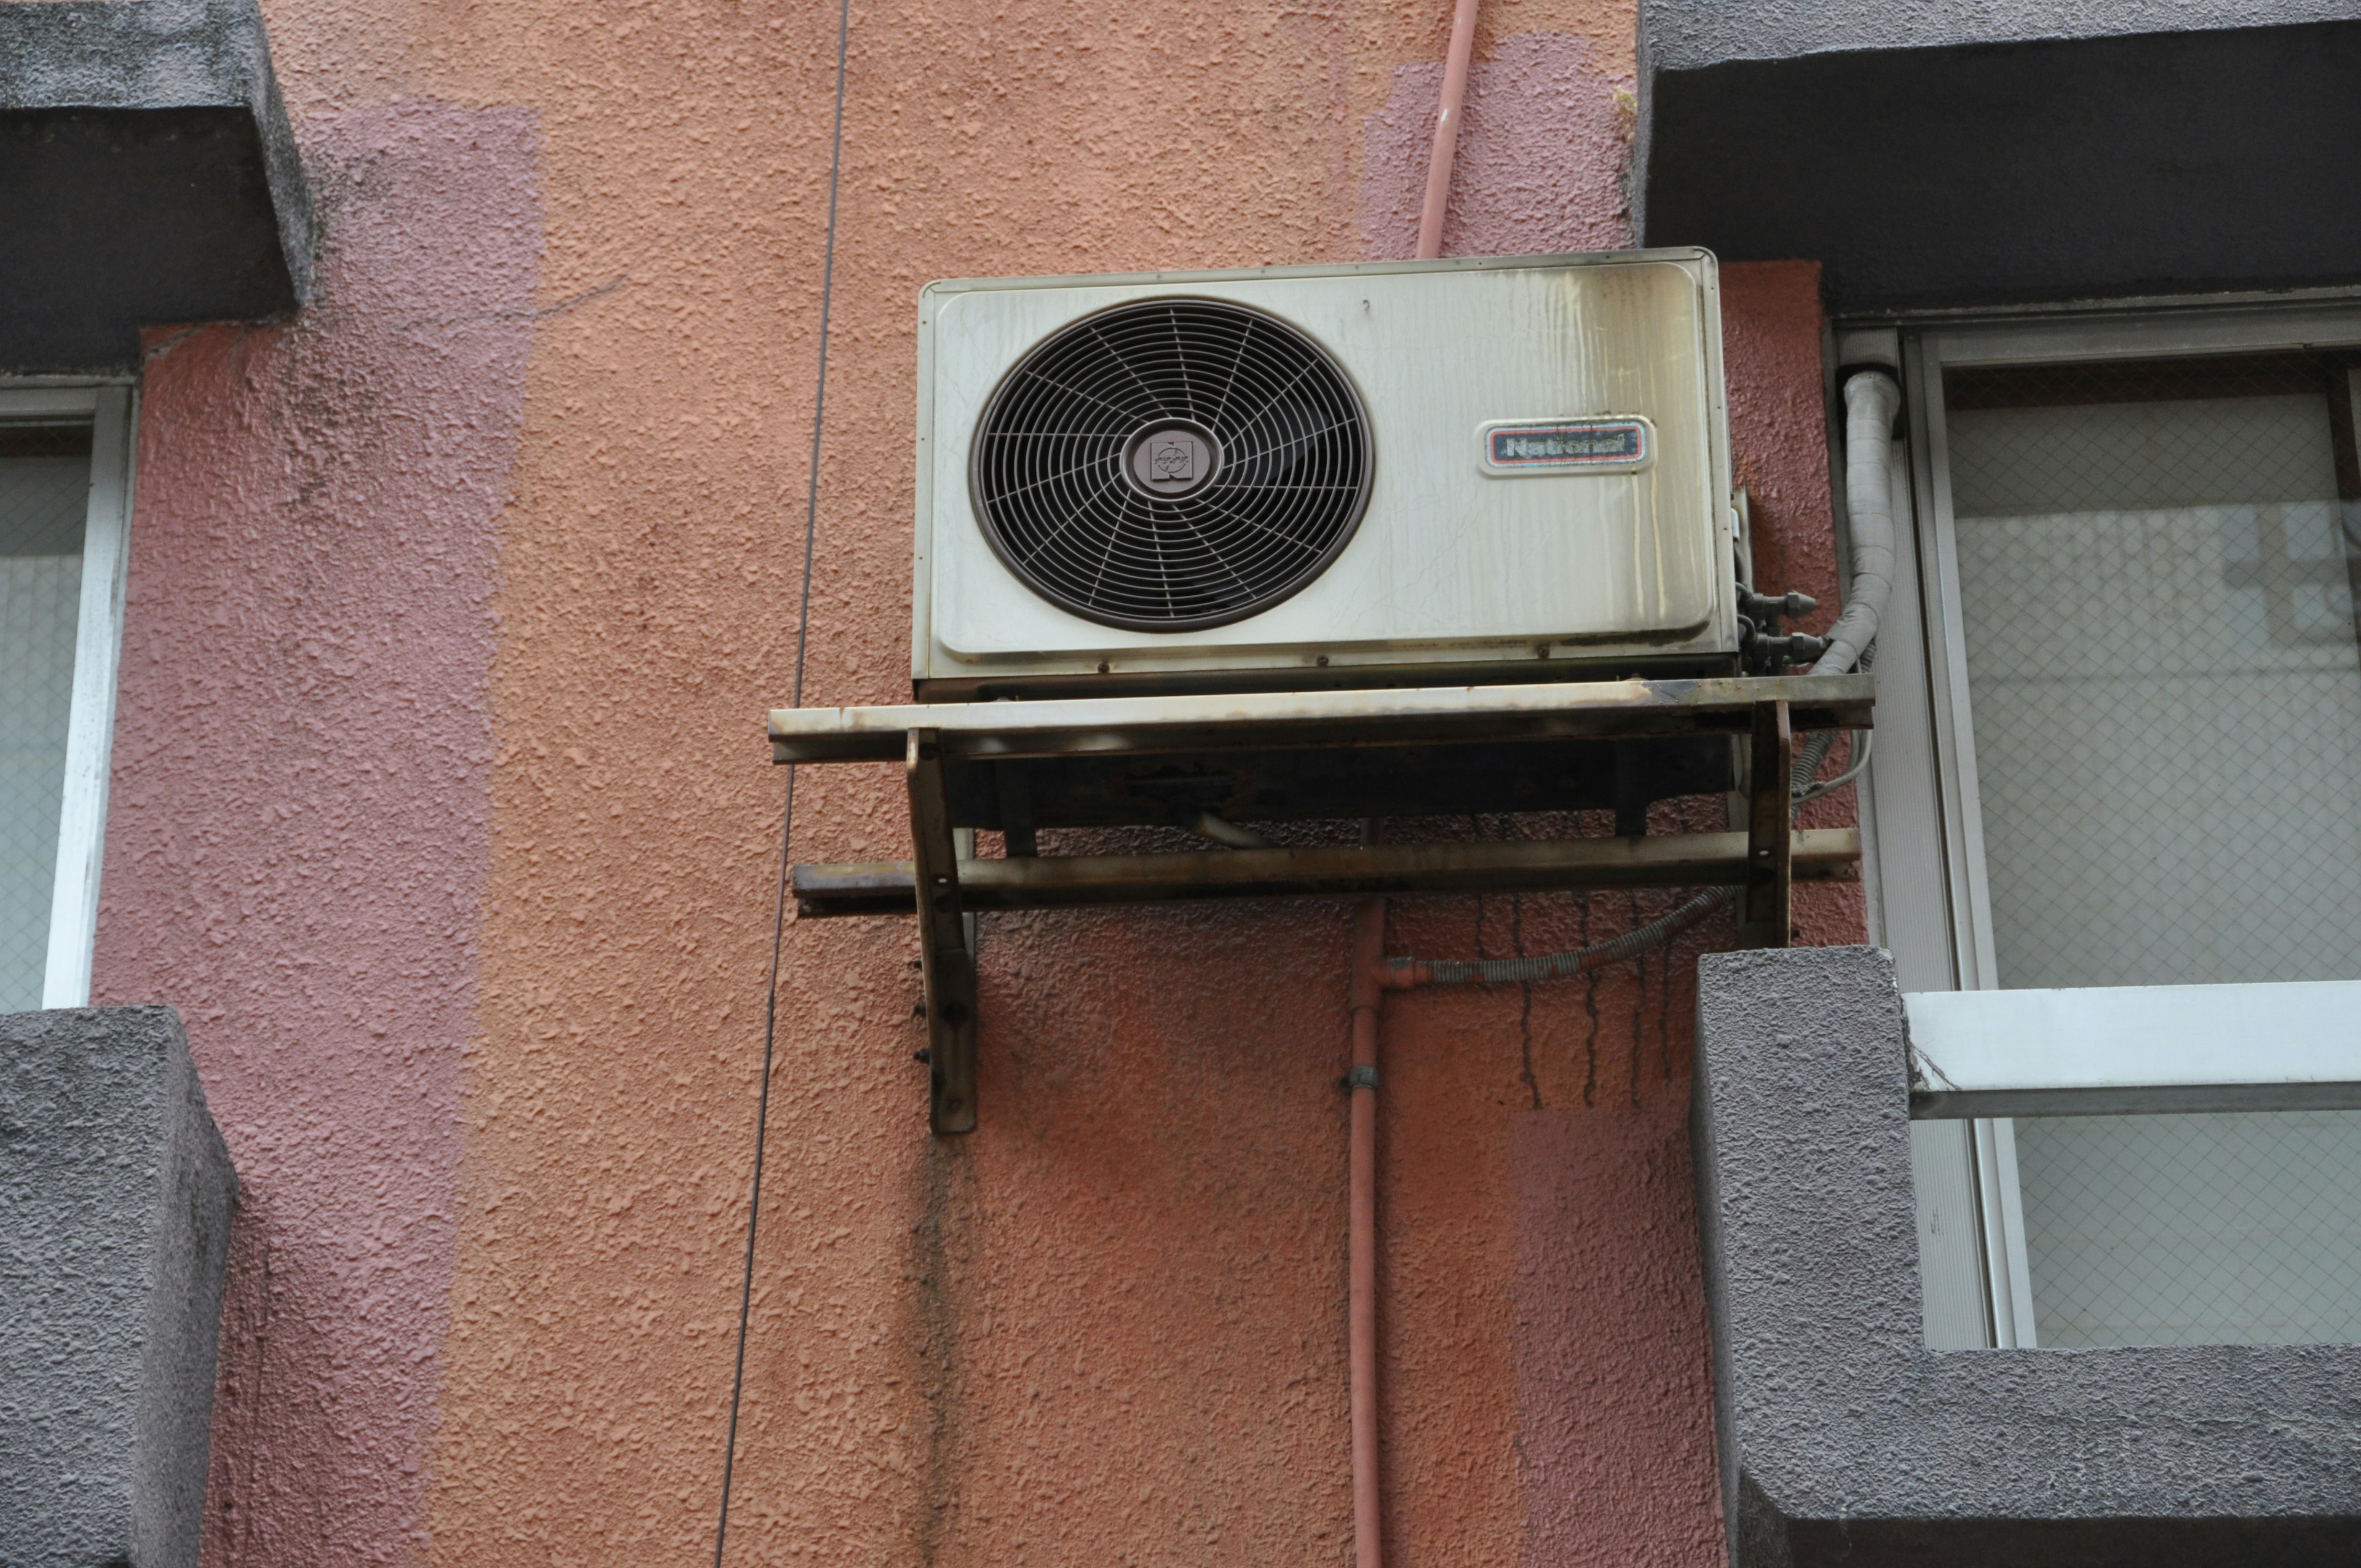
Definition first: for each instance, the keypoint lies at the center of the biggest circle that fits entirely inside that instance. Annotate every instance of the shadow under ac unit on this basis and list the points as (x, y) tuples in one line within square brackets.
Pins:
[(1394, 473)]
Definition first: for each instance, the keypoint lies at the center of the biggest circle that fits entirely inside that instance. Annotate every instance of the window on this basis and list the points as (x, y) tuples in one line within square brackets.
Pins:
[(2122, 748), (65, 499)]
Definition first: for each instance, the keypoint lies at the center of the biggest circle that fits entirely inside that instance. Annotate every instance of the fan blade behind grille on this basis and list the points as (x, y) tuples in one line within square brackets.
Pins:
[(1172, 464)]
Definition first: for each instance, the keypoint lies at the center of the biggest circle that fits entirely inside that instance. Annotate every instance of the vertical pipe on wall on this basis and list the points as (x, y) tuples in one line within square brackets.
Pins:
[(1370, 947), (1446, 130), (1367, 993)]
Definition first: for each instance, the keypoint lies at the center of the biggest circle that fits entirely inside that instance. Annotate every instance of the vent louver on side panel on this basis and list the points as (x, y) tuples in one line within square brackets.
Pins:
[(1172, 464)]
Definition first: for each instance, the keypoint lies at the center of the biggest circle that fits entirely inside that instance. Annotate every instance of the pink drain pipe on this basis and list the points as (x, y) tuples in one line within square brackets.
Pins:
[(1446, 131), (1372, 977), (1369, 974)]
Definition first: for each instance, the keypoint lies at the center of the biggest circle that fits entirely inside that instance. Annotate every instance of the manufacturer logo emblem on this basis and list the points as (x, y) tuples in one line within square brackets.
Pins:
[(1170, 459), (1172, 462), (1621, 445)]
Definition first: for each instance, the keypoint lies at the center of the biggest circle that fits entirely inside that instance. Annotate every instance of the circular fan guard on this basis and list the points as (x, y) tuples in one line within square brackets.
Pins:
[(1172, 464)]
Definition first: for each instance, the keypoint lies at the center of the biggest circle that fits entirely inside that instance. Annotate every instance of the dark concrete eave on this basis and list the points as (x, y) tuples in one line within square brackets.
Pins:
[(1944, 156), (147, 176)]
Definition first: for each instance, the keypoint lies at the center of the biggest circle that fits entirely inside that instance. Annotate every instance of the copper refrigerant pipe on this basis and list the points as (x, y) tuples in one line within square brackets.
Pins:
[(1367, 993), (1446, 131)]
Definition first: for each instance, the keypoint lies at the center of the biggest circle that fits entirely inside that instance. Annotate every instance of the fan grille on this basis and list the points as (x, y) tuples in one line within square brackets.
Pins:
[(1172, 464)]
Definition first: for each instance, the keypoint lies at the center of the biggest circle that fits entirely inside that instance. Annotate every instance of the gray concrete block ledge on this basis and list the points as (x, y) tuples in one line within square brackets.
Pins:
[(115, 1199), (148, 177), (1844, 1439)]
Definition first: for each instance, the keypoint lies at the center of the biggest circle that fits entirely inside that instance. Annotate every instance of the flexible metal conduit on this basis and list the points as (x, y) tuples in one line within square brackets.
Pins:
[(1406, 974), (1871, 398)]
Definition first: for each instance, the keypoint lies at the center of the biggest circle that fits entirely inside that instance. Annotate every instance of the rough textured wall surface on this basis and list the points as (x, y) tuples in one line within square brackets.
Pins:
[(1107, 1327), (1615, 1445), (296, 845), (1539, 164), (116, 1197), (1845, 1440)]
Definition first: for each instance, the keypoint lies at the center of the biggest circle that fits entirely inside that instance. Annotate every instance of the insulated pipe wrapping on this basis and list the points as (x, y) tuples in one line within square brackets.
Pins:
[(1871, 401), (1222, 831)]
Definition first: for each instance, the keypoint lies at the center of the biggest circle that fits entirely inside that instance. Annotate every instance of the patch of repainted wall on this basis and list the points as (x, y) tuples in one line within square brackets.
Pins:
[(1543, 140), (1472, 1375), (297, 839)]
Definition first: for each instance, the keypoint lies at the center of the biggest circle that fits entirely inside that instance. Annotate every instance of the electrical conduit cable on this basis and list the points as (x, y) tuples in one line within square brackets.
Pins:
[(787, 811), (1446, 131)]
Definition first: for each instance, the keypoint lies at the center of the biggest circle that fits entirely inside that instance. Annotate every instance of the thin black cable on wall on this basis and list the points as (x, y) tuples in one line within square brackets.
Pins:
[(787, 811)]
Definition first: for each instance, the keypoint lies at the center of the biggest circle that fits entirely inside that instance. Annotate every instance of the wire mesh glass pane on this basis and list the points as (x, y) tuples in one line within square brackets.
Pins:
[(2156, 566), (2156, 590), (2230, 1229), (44, 500)]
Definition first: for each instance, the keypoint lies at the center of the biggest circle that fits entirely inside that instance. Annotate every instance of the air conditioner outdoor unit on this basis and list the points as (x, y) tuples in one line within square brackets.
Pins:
[(1393, 473)]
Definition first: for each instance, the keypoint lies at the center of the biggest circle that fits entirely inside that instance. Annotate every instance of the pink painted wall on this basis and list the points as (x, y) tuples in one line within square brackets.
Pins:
[(298, 837), (1540, 160)]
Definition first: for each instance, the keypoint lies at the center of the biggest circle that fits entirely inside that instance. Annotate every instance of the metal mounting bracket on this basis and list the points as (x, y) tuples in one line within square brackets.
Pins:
[(945, 961), (987, 764), (1765, 918)]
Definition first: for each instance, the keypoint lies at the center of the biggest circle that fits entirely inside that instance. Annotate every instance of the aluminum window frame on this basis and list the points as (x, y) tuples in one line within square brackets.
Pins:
[(1921, 807), (111, 408)]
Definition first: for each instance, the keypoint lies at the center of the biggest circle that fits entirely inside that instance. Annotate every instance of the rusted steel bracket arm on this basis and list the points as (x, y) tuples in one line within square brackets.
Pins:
[(1770, 844), (944, 959)]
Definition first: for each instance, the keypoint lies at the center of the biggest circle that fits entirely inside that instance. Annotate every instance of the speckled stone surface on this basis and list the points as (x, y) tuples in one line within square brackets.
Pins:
[(1844, 1439), (116, 1197)]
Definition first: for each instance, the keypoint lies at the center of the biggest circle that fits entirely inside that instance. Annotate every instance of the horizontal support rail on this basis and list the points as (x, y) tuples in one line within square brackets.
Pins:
[(2124, 1050), (1265, 721), (1059, 881)]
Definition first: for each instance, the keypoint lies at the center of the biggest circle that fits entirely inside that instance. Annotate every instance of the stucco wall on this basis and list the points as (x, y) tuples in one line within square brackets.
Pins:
[(456, 748), (297, 839)]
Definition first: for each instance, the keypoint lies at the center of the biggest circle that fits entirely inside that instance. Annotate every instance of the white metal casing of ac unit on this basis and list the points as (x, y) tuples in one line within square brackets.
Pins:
[(1453, 572)]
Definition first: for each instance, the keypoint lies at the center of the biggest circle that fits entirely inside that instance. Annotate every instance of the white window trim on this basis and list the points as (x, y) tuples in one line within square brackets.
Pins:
[(2114, 1051), (1923, 830), (111, 409)]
